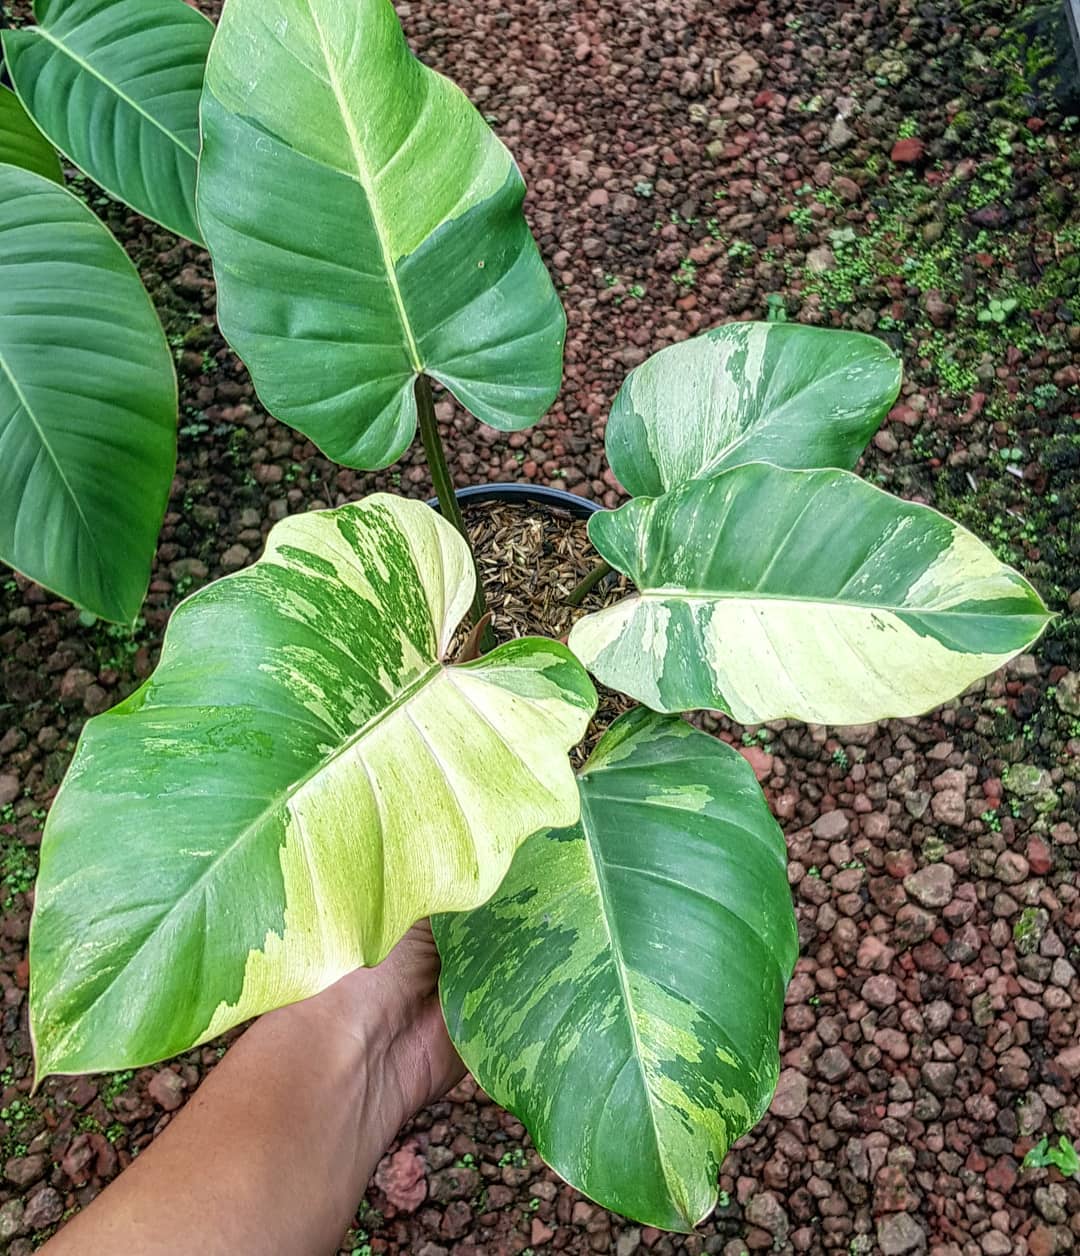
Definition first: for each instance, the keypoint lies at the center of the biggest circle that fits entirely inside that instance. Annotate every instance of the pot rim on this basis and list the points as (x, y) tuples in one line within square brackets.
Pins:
[(538, 494)]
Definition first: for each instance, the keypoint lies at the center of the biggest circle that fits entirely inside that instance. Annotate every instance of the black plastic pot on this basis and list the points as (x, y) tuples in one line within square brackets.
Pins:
[(524, 494), (1072, 20)]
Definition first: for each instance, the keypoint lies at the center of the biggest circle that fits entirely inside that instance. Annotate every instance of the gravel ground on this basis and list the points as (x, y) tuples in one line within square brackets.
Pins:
[(877, 164)]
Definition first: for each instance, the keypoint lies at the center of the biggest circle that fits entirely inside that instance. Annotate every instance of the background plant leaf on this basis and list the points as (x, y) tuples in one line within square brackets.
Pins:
[(379, 232), (1062, 1156), (87, 403), (299, 781), (115, 86), (622, 992), (769, 593), (22, 144), (800, 397)]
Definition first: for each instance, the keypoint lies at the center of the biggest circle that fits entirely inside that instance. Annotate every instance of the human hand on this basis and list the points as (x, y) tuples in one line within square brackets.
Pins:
[(278, 1143), (392, 1014)]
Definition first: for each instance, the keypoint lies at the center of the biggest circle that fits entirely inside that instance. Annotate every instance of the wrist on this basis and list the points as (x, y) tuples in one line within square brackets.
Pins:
[(364, 1032)]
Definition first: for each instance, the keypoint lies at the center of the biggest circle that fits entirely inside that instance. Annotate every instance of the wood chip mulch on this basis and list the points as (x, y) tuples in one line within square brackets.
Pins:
[(530, 559)]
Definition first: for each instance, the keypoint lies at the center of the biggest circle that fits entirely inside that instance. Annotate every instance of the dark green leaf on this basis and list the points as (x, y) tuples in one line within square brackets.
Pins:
[(87, 403), (115, 86)]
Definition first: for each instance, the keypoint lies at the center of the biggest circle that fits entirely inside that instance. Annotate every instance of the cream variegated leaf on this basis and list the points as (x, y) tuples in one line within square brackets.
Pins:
[(770, 593), (794, 396), (301, 779), (622, 992)]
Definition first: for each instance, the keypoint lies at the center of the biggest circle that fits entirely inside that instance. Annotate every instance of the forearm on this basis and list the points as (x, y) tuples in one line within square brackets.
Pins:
[(271, 1155)]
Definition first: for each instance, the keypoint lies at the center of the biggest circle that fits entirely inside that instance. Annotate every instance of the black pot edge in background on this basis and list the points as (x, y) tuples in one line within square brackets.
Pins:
[(524, 494)]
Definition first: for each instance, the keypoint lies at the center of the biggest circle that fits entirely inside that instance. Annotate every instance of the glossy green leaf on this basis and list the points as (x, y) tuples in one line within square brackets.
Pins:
[(300, 780), (801, 397), (366, 227), (22, 144), (622, 992), (115, 86), (769, 593), (87, 403)]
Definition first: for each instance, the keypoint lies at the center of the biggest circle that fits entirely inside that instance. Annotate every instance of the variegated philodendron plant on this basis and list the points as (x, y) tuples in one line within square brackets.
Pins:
[(308, 772)]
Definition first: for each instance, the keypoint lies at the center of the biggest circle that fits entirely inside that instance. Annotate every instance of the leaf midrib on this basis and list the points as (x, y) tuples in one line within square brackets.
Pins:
[(90, 69), (367, 184), (607, 916)]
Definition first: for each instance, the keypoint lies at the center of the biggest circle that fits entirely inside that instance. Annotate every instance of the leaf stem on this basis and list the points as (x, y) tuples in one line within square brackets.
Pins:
[(589, 583), (444, 491)]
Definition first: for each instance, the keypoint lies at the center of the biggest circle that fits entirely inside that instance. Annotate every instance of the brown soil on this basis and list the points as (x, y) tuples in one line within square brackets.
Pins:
[(530, 560)]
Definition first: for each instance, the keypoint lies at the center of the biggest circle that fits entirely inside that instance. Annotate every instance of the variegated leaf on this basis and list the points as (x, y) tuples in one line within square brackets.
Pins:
[(379, 235), (622, 992), (299, 781), (800, 397), (769, 593), (115, 86), (22, 144)]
